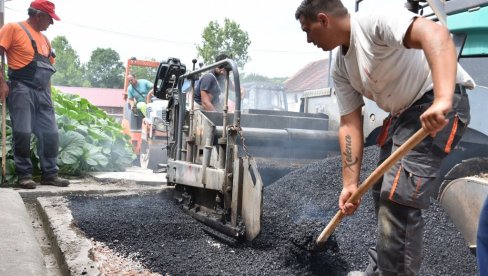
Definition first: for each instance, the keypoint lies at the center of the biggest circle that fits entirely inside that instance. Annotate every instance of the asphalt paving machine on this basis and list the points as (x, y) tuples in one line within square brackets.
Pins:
[(217, 160)]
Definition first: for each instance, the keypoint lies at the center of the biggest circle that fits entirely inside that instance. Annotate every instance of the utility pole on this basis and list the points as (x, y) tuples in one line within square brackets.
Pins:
[(2, 9)]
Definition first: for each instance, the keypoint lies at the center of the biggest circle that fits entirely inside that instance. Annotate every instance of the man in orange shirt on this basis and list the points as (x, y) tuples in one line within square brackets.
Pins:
[(28, 93)]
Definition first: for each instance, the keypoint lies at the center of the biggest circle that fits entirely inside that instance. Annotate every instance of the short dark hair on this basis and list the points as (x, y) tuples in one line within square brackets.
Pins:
[(220, 57), (31, 11), (310, 8)]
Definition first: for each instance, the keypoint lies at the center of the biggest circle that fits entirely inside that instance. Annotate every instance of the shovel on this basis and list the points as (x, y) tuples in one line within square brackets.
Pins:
[(369, 182), (4, 130)]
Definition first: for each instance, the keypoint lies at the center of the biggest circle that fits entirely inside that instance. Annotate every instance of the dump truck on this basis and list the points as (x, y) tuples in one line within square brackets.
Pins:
[(220, 161)]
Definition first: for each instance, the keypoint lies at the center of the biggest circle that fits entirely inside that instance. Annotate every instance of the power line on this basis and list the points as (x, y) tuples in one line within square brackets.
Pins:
[(150, 38)]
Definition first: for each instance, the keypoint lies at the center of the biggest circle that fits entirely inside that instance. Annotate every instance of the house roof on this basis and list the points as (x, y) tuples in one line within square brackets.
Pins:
[(313, 76), (100, 97)]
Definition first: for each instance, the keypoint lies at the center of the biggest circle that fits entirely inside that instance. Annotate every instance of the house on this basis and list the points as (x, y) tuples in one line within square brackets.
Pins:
[(109, 99), (313, 78)]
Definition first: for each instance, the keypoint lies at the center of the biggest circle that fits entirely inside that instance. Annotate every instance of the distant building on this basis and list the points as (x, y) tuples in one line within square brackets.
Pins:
[(311, 78), (109, 99)]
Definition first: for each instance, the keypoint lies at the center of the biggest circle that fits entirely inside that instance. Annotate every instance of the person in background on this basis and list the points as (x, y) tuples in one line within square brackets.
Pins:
[(28, 93), (137, 93), (208, 90), (408, 66)]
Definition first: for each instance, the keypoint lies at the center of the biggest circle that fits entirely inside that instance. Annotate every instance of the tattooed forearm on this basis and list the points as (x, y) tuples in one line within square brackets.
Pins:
[(348, 159)]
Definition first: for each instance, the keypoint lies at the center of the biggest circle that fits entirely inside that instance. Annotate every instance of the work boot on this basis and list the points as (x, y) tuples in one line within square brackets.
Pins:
[(27, 183), (55, 181)]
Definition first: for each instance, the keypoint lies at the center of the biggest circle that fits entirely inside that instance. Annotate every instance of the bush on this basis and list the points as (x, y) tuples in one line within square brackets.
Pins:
[(89, 139)]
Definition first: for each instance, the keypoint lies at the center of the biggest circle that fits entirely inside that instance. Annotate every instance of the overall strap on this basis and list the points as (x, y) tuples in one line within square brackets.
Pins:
[(34, 44), (133, 87)]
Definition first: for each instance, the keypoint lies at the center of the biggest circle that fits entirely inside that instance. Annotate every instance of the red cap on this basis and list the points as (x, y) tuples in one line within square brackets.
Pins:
[(45, 6)]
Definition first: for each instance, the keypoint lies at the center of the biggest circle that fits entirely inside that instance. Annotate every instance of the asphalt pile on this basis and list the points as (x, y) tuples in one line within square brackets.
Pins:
[(296, 209)]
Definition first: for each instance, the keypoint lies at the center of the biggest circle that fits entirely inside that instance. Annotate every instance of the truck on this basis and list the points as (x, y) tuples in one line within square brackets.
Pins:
[(148, 132), (463, 184)]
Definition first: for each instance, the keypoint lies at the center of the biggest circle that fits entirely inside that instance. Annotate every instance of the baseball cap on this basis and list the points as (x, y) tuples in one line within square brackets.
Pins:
[(45, 6)]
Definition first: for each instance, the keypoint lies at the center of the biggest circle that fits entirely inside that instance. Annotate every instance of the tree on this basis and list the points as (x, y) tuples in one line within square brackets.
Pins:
[(105, 69), (253, 77), (69, 70), (229, 39), (142, 72)]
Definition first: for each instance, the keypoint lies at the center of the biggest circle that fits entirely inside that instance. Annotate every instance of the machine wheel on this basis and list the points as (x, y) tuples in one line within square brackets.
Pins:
[(152, 155)]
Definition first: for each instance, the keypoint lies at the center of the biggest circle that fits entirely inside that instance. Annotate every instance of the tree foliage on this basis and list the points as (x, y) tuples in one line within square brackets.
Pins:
[(229, 39), (68, 66), (143, 72), (90, 140), (253, 77), (105, 70)]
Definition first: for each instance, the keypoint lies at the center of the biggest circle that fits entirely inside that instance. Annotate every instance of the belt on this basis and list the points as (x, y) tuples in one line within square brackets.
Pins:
[(429, 95)]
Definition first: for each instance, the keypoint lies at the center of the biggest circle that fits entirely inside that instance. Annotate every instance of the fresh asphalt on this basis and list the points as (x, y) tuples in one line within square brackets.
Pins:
[(20, 252)]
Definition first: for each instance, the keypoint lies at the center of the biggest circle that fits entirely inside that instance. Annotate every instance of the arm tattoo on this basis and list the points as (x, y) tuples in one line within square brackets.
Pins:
[(348, 159)]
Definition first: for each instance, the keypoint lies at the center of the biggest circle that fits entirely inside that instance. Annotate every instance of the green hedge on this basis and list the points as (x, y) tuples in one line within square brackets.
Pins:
[(89, 140)]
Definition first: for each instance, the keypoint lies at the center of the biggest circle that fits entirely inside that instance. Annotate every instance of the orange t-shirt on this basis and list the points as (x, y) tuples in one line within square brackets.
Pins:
[(18, 46)]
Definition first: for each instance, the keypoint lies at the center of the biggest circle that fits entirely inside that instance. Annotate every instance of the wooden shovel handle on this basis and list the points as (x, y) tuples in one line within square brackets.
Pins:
[(4, 142), (4, 128), (371, 180)]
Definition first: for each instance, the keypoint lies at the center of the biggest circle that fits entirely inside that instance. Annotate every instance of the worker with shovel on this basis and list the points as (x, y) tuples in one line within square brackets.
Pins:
[(408, 66), (29, 101)]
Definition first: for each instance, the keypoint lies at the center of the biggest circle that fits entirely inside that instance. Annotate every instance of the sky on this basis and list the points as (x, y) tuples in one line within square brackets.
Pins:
[(158, 29)]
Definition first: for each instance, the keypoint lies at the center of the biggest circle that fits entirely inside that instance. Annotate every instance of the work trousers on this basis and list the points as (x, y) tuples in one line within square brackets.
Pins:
[(31, 111), (482, 241), (406, 188)]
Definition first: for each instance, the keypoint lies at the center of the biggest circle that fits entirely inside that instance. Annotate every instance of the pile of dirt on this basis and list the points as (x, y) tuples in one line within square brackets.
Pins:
[(296, 207)]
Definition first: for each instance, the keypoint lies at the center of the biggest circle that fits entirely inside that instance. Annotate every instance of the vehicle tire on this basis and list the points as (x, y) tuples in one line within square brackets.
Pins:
[(152, 155)]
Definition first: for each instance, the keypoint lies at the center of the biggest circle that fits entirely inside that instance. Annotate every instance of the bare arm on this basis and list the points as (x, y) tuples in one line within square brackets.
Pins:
[(207, 101), (435, 40), (149, 96), (132, 103), (351, 143)]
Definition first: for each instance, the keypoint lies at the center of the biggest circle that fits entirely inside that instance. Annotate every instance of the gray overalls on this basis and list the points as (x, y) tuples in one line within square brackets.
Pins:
[(31, 111)]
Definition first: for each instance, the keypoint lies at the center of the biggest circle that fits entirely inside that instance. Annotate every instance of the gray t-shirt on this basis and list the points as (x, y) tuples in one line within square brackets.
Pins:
[(379, 67)]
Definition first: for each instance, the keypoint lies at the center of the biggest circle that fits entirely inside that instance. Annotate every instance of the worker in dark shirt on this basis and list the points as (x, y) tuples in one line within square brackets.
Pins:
[(208, 89)]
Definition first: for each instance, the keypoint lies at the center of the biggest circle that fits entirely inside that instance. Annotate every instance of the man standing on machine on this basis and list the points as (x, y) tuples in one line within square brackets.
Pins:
[(137, 93)]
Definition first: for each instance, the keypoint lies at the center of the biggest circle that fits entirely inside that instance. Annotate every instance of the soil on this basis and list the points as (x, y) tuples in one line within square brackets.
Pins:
[(155, 231)]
